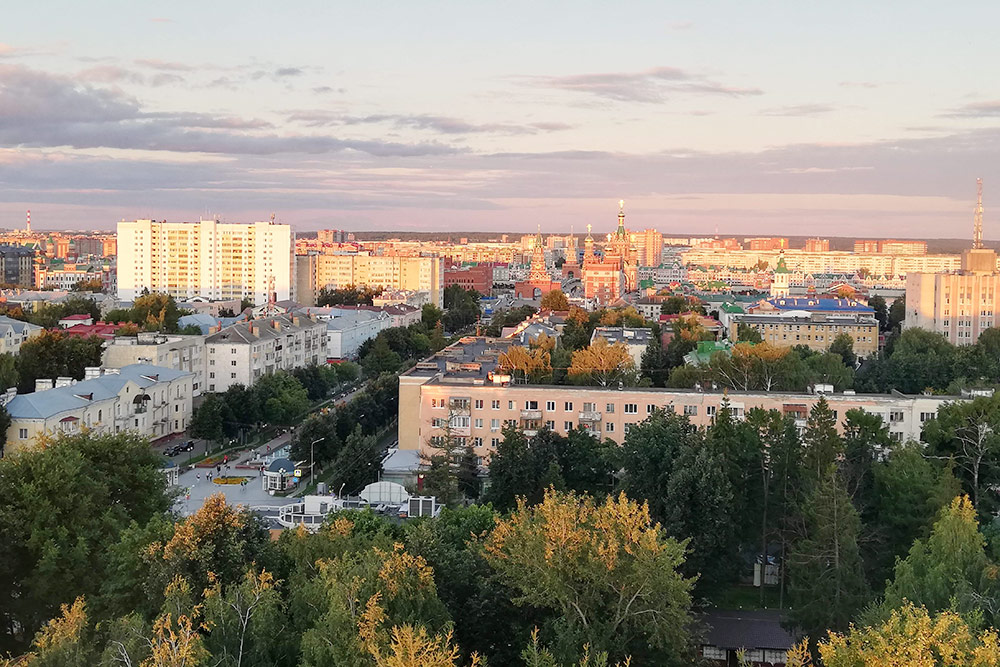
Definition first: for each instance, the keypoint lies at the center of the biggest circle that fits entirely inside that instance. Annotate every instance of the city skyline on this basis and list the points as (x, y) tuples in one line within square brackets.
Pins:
[(853, 121)]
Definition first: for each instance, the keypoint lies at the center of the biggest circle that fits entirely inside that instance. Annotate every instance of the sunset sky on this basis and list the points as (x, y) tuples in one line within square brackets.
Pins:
[(838, 119)]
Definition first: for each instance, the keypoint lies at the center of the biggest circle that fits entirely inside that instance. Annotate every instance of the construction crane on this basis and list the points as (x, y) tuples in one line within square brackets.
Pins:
[(977, 226)]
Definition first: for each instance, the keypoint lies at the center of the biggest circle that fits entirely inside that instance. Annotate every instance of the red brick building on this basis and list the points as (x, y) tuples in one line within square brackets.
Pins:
[(478, 277)]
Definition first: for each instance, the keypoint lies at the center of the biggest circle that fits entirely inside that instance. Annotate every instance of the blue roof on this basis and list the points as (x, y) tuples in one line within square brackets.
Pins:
[(817, 305), (51, 402)]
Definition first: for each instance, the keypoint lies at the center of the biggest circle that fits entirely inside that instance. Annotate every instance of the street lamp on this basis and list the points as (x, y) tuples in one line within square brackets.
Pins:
[(312, 458)]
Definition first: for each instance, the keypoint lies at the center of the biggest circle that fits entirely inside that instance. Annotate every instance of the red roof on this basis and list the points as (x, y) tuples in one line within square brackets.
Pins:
[(77, 317), (105, 330)]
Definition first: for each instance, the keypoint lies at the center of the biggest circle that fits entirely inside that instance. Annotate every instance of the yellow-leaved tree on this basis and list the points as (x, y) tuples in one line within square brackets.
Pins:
[(603, 364), (606, 569)]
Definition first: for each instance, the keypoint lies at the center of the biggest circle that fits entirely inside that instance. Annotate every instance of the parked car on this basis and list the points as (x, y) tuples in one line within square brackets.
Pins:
[(172, 451), (187, 446)]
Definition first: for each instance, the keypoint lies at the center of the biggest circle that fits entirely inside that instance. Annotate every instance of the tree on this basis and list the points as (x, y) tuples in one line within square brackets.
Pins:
[(911, 636), (351, 295), (526, 365), (64, 505), (88, 285), (381, 359), (969, 433), (897, 313), (822, 442), (603, 364), (827, 583), (748, 334), (751, 367), (843, 345), (207, 420), (430, 315), (357, 463), (607, 570), (554, 300), (283, 399), (909, 492), (877, 303), (52, 354), (247, 622), (948, 570)]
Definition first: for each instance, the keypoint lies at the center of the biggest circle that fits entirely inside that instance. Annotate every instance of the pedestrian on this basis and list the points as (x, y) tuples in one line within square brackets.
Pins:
[(218, 469), (199, 477), (209, 477)]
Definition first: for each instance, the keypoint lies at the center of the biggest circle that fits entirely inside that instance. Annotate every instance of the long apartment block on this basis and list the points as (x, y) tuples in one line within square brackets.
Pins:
[(460, 392)]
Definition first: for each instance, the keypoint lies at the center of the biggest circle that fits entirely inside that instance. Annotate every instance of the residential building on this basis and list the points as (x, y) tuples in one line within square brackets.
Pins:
[(817, 245), (878, 264), (891, 247), (648, 247), (14, 332), (347, 328), (173, 351), (812, 304), (635, 339), (460, 387), (960, 305), (317, 271), (814, 330), (244, 352), (17, 265), (209, 259), (149, 400), (766, 243)]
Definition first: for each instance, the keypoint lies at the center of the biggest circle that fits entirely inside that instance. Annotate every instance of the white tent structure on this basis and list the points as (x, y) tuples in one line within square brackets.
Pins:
[(384, 493)]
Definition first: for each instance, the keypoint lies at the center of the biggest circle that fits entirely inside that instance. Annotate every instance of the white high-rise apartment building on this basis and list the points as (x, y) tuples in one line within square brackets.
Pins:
[(210, 259)]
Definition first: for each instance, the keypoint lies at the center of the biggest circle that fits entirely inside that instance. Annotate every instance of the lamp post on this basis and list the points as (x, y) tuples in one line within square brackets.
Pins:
[(312, 459)]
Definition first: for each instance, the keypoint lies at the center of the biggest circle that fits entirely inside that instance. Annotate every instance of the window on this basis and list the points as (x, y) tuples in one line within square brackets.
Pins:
[(711, 410), (567, 426), (477, 442), (588, 407), (550, 405), (479, 404), (211, 375), (211, 362), (610, 408), (649, 408), (631, 409), (896, 436), (479, 423), (690, 410), (234, 362), (609, 427), (22, 433), (495, 405), (510, 405), (568, 406), (531, 405), (895, 415), (628, 427), (232, 376), (494, 442), (494, 424), (927, 416), (551, 425)]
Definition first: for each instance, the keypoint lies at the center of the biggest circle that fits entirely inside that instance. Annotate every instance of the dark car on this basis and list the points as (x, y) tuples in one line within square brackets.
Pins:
[(187, 446), (172, 451)]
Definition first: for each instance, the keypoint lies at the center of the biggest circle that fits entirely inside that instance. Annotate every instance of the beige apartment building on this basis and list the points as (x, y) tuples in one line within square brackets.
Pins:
[(246, 351), (459, 390), (814, 330), (174, 351), (207, 259), (801, 261), (961, 305), (391, 272)]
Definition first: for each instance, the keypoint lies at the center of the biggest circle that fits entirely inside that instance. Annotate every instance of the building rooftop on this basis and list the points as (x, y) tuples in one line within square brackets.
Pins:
[(750, 629), (834, 317), (818, 304), (51, 402), (16, 326), (627, 335), (275, 326)]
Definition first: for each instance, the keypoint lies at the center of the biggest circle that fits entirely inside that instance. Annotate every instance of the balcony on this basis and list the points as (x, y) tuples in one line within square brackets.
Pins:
[(590, 416), (531, 414), (530, 432)]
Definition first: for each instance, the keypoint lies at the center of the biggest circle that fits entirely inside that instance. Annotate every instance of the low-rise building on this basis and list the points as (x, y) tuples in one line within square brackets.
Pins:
[(635, 339), (246, 351), (149, 400), (460, 388), (174, 351), (348, 329), (14, 332), (814, 330)]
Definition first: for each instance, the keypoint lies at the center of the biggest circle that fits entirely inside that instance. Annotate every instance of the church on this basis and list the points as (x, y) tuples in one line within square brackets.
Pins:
[(615, 273)]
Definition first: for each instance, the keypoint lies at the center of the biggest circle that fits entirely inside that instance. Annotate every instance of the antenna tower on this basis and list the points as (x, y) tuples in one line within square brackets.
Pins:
[(977, 226)]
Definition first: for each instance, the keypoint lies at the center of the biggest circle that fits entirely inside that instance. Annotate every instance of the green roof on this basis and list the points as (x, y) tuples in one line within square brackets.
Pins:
[(781, 267)]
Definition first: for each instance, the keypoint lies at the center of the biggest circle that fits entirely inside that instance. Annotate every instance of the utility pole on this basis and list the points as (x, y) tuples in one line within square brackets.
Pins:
[(312, 459)]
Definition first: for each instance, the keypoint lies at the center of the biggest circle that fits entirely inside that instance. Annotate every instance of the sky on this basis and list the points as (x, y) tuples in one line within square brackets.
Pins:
[(746, 118)]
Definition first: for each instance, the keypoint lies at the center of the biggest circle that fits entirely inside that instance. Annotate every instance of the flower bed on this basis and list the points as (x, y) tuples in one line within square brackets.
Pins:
[(229, 480)]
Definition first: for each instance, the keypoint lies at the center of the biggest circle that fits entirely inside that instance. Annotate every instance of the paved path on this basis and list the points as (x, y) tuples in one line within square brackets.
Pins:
[(199, 488)]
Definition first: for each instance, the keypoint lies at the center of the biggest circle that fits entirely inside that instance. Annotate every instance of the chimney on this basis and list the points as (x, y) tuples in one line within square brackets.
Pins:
[(41, 384), (112, 371), (64, 382), (276, 325), (91, 372), (296, 321)]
